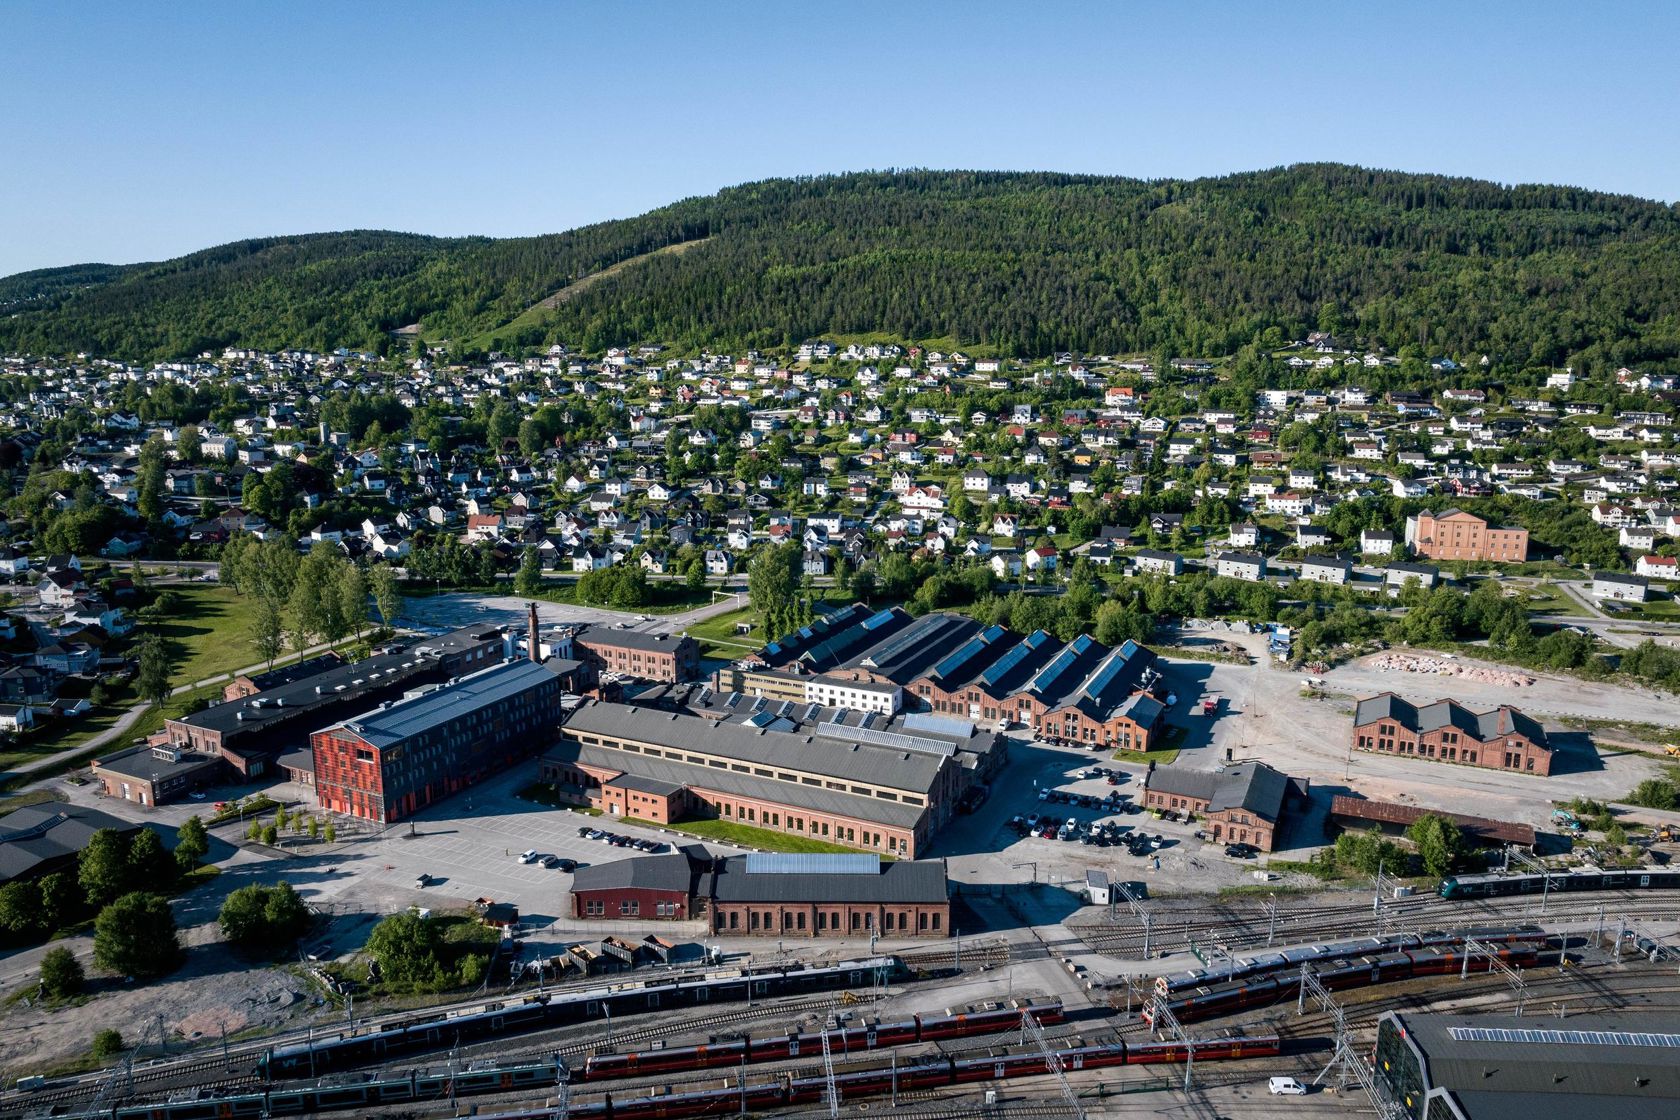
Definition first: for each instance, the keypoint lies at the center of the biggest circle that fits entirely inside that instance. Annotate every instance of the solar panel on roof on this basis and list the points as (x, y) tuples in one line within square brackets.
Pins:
[(1008, 661), (878, 619), (1111, 667), (887, 739), (1572, 1038), (812, 863)]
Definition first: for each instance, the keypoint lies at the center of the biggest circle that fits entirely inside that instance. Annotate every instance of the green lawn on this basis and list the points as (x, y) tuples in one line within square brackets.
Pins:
[(33, 797), (210, 633), (1163, 753), (1547, 598), (747, 836), (1653, 610)]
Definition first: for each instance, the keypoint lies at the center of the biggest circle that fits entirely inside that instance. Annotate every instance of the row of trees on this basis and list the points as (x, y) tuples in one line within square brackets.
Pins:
[(1562, 276), (305, 599)]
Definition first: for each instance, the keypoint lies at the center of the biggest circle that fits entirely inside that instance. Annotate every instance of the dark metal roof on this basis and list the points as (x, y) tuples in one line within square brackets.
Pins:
[(900, 769), (1253, 786), (51, 832), (655, 873), (1509, 1068), (815, 798), (1483, 726), (632, 639), (384, 727), (919, 881)]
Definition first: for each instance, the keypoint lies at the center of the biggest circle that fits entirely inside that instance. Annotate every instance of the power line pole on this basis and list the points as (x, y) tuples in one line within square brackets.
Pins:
[(828, 1073), (1139, 910), (1532, 864), (1052, 1061), (1346, 1059), (1163, 1016)]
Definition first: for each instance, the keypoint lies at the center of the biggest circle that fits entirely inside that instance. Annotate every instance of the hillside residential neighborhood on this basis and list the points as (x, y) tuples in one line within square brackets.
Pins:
[(685, 469)]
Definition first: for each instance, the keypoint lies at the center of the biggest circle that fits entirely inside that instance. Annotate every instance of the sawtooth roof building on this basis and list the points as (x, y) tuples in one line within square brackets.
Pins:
[(859, 779), (1484, 1067), (1447, 731), (1079, 691)]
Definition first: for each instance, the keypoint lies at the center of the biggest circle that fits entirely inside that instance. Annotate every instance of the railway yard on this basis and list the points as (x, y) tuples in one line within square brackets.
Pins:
[(934, 1033)]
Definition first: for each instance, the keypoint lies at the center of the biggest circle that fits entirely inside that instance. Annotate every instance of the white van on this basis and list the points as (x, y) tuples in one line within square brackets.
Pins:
[(1286, 1087)]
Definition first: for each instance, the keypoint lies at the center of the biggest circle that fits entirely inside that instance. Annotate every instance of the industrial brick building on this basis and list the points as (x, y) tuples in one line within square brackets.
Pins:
[(1447, 731), (251, 731), (773, 895), (632, 653), (153, 775), (1243, 804), (846, 778), (641, 887), (389, 763), (1453, 534), (1077, 692)]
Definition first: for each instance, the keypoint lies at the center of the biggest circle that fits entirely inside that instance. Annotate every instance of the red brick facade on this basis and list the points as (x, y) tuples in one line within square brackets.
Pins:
[(591, 785), (832, 919), (638, 903), (1225, 826), (1457, 535), (668, 657), (1512, 750)]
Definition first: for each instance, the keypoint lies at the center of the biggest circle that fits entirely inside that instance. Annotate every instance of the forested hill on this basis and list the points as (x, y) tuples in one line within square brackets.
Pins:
[(1022, 263)]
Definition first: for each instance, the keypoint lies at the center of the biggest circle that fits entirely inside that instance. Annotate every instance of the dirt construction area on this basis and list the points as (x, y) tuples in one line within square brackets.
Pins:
[(1302, 725)]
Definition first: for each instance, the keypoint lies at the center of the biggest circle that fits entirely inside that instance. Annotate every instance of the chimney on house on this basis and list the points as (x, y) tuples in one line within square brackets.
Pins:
[(535, 643)]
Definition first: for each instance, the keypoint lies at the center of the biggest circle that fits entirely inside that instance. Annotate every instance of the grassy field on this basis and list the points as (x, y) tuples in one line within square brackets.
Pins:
[(1654, 610), (211, 633), (717, 635), (1547, 598), (33, 797), (747, 836), (1164, 753)]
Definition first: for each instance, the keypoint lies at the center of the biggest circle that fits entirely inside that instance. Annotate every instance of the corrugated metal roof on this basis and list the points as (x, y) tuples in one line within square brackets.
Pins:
[(812, 863), (406, 718), (906, 881)]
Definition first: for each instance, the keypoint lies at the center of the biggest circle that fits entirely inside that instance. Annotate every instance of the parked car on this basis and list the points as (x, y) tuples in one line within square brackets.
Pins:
[(1286, 1087), (551, 862), (529, 855), (1241, 851)]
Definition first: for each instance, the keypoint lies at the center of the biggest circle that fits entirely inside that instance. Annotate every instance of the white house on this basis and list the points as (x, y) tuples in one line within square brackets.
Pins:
[(1614, 585), (1249, 566)]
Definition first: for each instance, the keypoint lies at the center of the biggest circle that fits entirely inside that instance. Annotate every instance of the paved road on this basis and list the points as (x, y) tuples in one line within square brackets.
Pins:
[(117, 730)]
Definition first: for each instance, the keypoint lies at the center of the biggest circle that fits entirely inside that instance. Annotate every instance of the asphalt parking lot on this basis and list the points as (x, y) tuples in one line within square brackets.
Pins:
[(470, 847), (982, 851)]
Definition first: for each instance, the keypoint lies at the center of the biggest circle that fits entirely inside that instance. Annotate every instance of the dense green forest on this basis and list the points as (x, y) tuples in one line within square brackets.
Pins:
[(1017, 263)]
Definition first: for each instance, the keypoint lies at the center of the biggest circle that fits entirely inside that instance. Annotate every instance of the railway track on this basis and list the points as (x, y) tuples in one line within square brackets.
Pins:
[(1243, 928)]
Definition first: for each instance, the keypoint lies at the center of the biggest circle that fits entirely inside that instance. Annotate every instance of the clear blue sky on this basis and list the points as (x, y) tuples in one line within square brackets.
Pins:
[(141, 130)]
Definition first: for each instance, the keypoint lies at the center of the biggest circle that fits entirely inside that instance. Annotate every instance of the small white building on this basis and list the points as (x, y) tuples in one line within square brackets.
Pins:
[(1614, 585), (857, 696)]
